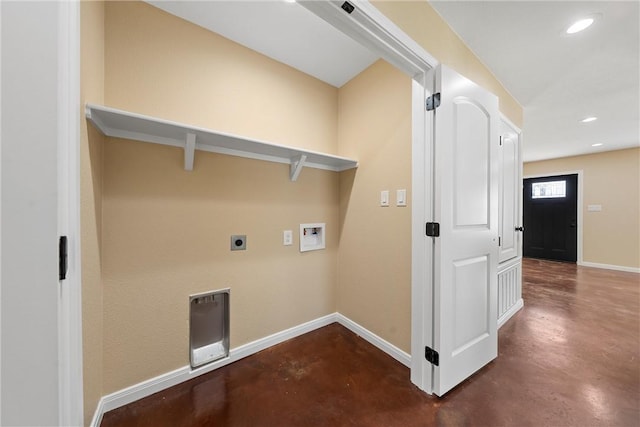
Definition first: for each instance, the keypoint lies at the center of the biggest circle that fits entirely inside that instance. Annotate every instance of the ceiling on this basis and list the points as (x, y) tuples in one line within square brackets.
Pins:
[(559, 79), (286, 32)]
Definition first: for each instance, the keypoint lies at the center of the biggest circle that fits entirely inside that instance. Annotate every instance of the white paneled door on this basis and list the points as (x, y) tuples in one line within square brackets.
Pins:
[(467, 139), (510, 190)]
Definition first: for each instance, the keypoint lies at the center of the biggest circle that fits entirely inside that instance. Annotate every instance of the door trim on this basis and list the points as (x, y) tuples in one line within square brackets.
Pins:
[(374, 30), (421, 245), (0, 213), (371, 28), (580, 174), (70, 383)]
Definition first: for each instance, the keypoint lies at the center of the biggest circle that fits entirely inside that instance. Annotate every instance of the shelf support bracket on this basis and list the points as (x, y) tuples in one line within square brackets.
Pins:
[(189, 151), (296, 166)]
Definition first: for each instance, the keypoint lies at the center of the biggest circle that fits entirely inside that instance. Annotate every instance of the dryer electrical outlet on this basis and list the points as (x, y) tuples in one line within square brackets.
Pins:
[(238, 243)]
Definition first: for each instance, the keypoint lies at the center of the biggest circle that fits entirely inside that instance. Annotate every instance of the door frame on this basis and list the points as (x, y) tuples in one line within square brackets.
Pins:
[(71, 394), (0, 218), (579, 212), (368, 26)]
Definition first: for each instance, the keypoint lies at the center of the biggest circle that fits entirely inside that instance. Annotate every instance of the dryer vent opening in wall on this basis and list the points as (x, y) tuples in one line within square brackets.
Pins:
[(208, 327)]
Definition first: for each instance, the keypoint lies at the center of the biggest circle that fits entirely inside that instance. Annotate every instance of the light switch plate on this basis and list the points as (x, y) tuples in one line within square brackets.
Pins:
[(287, 237), (401, 197), (384, 198)]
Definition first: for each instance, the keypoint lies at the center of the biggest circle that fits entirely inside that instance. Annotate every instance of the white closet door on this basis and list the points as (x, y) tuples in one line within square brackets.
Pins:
[(466, 207), (510, 189)]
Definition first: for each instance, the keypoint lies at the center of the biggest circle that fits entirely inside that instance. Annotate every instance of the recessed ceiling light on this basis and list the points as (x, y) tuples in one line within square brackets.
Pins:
[(589, 119), (579, 25), (598, 144), (289, 1)]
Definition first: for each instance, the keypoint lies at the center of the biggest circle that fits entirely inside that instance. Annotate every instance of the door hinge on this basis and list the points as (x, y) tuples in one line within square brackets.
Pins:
[(500, 139), (499, 241), (432, 356), (433, 229), (433, 101), (62, 258)]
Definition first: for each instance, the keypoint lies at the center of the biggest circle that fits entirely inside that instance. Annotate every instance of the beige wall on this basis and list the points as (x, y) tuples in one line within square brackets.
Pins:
[(166, 232), (423, 24), (610, 179), (92, 88), (374, 258)]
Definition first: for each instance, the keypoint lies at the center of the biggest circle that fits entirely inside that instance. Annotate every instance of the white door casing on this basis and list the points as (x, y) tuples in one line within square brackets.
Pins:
[(510, 192), (466, 207), (422, 246), (1, 212), (70, 384)]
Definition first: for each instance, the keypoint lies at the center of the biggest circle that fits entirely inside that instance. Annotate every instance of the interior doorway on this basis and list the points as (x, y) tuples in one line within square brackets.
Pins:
[(550, 217)]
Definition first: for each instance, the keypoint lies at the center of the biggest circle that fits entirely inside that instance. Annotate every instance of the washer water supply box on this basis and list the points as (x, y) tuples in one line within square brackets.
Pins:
[(312, 236), (208, 327)]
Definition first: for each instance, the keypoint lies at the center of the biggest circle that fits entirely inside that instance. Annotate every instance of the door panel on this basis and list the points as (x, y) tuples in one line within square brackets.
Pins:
[(550, 220), (471, 164), (466, 206), (470, 302)]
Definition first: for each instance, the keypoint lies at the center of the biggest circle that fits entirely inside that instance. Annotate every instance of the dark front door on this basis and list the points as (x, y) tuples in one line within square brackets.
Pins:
[(550, 217)]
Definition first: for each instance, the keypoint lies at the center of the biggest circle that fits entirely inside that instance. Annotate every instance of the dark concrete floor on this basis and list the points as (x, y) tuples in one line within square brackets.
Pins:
[(571, 357)]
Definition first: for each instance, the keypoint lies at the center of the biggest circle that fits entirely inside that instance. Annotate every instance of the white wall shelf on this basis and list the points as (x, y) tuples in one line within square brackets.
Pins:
[(127, 125)]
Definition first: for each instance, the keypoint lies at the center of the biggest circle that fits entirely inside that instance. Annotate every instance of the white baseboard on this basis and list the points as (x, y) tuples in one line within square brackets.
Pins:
[(164, 381), (97, 415), (609, 267), (393, 351), (509, 313)]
